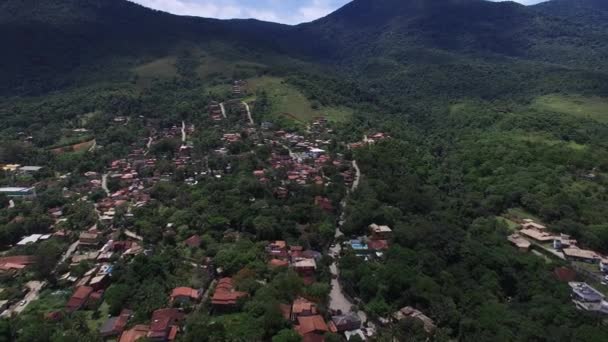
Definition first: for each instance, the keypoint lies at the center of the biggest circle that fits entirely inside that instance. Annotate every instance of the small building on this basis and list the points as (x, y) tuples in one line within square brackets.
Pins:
[(537, 235), (33, 239), (79, 298), (136, 333), (114, 326), (578, 254), (305, 267), (18, 192), (165, 324), (379, 232), (193, 242), (311, 327), (185, 295), (518, 241), (89, 238), (345, 322), (530, 224), (225, 296), (30, 169), (563, 241), (302, 307), (277, 263), (587, 298)]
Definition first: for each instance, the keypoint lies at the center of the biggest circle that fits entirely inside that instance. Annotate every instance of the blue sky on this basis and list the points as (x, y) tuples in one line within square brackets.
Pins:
[(282, 11)]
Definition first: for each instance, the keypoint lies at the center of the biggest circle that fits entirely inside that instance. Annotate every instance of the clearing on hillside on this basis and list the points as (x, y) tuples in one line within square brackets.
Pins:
[(595, 108), (288, 101)]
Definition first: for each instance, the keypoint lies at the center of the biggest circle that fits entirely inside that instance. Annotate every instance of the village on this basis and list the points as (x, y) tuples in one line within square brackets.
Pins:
[(293, 162), (580, 262)]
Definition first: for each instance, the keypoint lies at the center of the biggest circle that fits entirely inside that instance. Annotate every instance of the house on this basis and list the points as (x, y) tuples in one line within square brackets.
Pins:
[(577, 254), (379, 232), (311, 328), (16, 262), (185, 295), (18, 192), (410, 312), (79, 298), (530, 224), (100, 282), (137, 332), (302, 307), (587, 298), (377, 245), (114, 326), (193, 242), (30, 169), (537, 235), (347, 322), (305, 267), (519, 242), (91, 238), (563, 241), (165, 324), (225, 296)]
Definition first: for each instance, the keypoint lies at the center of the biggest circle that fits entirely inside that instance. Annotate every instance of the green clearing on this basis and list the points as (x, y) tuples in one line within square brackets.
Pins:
[(518, 214), (595, 108), (95, 321), (511, 225), (290, 102), (160, 68), (238, 325), (538, 138)]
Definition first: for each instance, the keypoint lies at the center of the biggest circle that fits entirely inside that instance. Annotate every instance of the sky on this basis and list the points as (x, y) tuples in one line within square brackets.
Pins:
[(280, 11)]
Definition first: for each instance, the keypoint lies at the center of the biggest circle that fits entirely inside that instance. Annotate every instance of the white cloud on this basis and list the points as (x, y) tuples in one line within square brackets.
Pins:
[(315, 10)]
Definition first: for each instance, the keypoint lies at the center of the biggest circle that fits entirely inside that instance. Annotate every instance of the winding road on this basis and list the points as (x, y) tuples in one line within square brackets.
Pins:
[(104, 183), (337, 298), (248, 112), (183, 131)]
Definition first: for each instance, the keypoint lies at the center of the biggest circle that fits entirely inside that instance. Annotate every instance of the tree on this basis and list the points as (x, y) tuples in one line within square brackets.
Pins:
[(287, 335)]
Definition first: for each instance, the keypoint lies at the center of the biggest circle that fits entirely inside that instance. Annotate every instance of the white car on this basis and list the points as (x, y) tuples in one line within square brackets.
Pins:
[(22, 303)]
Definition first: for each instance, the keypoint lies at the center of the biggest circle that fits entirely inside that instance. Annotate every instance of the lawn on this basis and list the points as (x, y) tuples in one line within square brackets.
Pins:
[(538, 138), (290, 102), (238, 325), (595, 108), (521, 214), (160, 68), (95, 321), (511, 225)]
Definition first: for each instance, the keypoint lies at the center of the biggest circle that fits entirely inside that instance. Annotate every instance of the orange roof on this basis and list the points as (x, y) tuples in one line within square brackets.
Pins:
[(537, 235), (184, 292), (311, 324), (134, 334), (225, 294)]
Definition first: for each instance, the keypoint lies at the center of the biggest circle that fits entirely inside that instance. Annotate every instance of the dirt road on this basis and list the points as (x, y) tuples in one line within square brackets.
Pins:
[(223, 110), (248, 112), (34, 291)]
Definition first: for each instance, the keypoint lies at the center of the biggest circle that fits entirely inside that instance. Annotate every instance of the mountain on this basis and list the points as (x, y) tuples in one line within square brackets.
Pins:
[(56, 43)]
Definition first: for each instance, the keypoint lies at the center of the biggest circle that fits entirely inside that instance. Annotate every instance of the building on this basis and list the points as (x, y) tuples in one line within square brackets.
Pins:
[(89, 238), (563, 241), (306, 267), (137, 332), (33, 239), (410, 312), (302, 307), (193, 242), (519, 242), (79, 298), (18, 192), (225, 296), (378, 232), (530, 224), (165, 324), (577, 254), (587, 298), (346, 322), (115, 326), (16, 262), (311, 328), (537, 235), (185, 295), (30, 169)]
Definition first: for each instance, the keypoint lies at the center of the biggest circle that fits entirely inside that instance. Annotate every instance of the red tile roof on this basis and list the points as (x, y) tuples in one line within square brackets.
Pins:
[(79, 298), (311, 324), (134, 334), (193, 241), (225, 293), (163, 321)]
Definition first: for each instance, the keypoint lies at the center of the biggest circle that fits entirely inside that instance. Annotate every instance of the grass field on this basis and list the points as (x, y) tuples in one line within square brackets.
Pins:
[(538, 138), (511, 225), (520, 214), (595, 108), (160, 68), (288, 101)]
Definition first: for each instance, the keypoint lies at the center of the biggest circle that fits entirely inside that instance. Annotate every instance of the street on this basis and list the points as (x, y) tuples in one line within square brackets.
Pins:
[(34, 291)]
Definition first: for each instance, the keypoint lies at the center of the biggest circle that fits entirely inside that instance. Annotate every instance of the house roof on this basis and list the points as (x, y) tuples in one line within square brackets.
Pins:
[(305, 263), (537, 234), (193, 241), (278, 263), (185, 292), (225, 294), (311, 324), (79, 298), (378, 245), (301, 305), (162, 320), (134, 334), (580, 253)]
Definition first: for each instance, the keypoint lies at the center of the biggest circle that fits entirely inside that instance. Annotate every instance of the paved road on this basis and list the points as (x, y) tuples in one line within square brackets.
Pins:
[(104, 183), (183, 131), (223, 110), (248, 113), (357, 177), (34, 291), (68, 253)]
